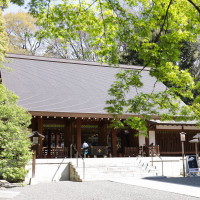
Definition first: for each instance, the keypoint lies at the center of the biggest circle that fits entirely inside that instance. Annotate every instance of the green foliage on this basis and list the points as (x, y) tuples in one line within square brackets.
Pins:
[(14, 120), (80, 29), (21, 29), (158, 31), (14, 141), (3, 39), (18, 2), (154, 30)]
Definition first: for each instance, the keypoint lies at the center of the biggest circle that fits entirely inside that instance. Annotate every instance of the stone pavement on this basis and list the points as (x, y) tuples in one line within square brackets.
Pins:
[(123, 188)]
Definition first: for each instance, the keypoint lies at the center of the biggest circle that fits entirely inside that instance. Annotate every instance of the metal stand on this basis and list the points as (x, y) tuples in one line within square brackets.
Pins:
[(183, 159), (33, 163)]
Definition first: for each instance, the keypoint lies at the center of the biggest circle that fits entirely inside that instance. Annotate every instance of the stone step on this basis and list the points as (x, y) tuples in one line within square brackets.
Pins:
[(99, 173), (108, 161), (109, 177), (108, 168), (94, 173), (90, 164), (115, 168)]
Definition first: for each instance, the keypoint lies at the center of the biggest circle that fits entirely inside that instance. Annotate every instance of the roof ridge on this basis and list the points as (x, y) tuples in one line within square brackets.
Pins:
[(62, 60)]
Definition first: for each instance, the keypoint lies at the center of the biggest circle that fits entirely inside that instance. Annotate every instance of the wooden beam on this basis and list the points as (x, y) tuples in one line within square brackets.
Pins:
[(84, 115), (53, 121)]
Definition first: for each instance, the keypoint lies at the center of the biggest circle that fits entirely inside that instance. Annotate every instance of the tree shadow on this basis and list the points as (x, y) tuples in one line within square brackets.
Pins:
[(188, 181), (65, 174)]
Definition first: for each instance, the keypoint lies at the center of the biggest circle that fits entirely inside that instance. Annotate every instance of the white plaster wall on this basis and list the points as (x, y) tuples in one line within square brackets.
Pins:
[(172, 166), (152, 137), (141, 139)]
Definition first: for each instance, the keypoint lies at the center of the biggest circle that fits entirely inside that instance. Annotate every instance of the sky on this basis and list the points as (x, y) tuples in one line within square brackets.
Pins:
[(14, 9)]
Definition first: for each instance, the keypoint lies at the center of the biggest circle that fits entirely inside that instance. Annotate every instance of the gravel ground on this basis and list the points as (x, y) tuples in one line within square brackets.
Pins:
[(98, 190)]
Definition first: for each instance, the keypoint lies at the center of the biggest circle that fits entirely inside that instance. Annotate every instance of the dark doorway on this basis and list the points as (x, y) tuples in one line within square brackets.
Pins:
[(53, 144)]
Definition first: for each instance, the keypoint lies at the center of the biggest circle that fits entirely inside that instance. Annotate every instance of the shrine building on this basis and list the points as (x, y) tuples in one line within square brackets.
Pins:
[(66, 99)]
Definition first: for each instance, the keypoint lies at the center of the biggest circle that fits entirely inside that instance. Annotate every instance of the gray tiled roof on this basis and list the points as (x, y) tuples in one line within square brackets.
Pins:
[(173, 122), (58, 85)]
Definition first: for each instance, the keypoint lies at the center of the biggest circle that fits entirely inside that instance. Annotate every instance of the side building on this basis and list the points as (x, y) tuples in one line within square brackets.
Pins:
[(66, 99)]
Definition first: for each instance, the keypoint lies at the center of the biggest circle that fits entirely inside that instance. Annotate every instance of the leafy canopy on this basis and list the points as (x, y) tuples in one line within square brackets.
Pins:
[(14, 142), (21, 28), (14, 120), (155, 30)]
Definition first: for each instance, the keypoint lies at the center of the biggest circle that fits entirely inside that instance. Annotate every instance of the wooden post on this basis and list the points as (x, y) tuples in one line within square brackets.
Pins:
[(67, 134), (147, 143), (114, 142), (78, 138), (40, 130), (196, 150), (34, 123), (103, 134), (33, 162), (57, 138), (183, 158)]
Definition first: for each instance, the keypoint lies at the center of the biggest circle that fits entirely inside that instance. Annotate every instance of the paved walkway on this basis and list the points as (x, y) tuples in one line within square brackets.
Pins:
[(117, 189), (187, 186)]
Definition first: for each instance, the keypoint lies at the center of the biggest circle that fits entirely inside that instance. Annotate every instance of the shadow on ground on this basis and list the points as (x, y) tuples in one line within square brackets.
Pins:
[(188, 181)]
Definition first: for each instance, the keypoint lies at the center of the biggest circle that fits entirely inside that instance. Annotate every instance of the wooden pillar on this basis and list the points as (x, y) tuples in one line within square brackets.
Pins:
[(147, 143), (40, 130), (78, 134), (114, 142), (57, 138), (67, 134), (72, 131), (103, 129), (34, 123)]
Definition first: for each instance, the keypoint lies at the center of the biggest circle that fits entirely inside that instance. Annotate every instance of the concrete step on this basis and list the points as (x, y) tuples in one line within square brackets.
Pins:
[(99, 173), (107, 161), (89, 178), (105, 174), (108, 164), (108, 168), (110, 177)]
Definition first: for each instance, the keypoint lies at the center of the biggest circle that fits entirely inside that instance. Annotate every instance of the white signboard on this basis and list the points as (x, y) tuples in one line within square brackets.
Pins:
[(182, 137), (192, 164), (35, 140)]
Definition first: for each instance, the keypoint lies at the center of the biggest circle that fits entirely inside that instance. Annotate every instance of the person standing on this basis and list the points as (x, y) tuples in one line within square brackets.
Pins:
[(85, 149)]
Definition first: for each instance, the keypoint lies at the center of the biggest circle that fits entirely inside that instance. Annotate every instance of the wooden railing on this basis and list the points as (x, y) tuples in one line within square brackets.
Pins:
[(131, 151), (153, 152), (55, 152), (78, 154), (144, 150)]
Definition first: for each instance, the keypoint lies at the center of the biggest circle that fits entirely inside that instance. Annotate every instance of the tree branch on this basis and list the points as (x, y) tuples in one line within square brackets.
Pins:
[(81, 43), (74, 50), (196, 7), (104, 27), (162, 27), (90, 5)]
